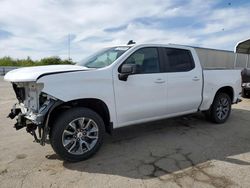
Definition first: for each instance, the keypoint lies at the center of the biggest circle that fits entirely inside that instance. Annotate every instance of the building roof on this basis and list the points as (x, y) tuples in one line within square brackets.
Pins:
[(243, 47)]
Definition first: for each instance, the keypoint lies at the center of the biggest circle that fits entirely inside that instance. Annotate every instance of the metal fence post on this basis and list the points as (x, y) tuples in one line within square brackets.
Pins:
[(235, 60), (247, 60)]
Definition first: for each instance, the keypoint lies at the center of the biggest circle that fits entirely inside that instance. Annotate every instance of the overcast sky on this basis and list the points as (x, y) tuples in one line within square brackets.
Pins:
[(40, 28)]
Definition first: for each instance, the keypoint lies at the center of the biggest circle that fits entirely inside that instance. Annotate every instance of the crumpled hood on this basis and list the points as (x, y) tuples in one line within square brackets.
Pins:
[(29, 74)]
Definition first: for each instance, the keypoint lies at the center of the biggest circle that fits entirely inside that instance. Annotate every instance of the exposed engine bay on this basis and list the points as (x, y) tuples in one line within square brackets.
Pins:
[(32, 109)]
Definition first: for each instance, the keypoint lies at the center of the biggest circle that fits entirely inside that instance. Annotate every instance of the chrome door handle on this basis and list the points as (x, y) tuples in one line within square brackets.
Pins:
[(160, 81), (196, 78)]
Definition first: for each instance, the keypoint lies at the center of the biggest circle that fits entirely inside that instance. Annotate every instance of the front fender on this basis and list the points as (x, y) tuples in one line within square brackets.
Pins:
[(71, 86)]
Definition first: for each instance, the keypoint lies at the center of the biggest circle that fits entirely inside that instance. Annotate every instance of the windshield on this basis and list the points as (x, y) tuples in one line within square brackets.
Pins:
[(103, 58)]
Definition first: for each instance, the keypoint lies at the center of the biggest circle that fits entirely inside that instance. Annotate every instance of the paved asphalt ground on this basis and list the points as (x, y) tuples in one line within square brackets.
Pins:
[(179, 152)]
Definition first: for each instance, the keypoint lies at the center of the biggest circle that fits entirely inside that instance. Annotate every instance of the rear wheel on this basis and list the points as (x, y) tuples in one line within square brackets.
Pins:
[(220, 109), (77, 134)]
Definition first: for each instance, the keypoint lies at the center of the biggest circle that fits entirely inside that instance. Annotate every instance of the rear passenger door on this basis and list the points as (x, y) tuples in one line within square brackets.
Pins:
[(184, 87)]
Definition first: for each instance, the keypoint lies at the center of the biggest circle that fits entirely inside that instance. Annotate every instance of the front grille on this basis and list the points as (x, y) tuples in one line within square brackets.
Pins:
[(20, 92)]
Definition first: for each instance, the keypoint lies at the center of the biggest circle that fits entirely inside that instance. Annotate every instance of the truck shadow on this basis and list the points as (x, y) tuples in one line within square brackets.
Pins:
[(179, 146)]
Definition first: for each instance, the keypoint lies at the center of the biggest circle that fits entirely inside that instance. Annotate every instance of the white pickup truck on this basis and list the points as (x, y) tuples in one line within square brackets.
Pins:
[(73, 106)]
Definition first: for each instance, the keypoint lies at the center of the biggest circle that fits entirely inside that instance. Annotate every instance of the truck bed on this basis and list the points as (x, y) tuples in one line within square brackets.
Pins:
[(214, 79)]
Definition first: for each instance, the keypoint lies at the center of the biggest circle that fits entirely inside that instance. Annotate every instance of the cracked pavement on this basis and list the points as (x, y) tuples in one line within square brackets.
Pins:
[(180, 152)]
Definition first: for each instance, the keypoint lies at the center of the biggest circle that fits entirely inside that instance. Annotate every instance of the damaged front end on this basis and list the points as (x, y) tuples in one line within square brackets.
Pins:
[(33, 109)]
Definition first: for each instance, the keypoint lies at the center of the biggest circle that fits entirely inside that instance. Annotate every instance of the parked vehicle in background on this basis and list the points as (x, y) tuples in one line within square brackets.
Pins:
[(242, 50), (74, 105), (245, 74)]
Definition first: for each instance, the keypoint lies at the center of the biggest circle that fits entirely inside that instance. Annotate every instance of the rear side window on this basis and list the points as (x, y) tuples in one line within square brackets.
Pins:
[(179, 60), (147, 60)]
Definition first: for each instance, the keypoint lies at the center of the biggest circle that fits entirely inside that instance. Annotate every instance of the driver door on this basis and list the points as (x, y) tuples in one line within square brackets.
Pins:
[(143, 96)]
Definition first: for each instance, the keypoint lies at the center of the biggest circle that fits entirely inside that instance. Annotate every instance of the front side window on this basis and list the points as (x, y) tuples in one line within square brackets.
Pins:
[(103, 58), (146, 59), (179, 60)]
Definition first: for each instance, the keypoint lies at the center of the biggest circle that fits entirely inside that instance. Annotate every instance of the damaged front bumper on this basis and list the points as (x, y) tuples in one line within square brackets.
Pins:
[(34, 121)]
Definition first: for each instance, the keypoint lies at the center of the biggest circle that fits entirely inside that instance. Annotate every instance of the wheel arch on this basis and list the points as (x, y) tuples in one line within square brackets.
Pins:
[(97, 105), (228, 90), (212, 114)]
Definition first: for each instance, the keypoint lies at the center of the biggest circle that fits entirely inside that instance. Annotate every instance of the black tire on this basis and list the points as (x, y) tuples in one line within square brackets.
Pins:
[(245, 93), (217, 112), (62, 124)]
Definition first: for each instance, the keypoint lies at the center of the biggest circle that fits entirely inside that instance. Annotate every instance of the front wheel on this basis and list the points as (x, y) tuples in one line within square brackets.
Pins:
[(220, 109), (77, 134)]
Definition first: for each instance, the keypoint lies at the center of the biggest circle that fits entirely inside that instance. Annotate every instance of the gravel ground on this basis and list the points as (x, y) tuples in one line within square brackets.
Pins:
[(181, 152)]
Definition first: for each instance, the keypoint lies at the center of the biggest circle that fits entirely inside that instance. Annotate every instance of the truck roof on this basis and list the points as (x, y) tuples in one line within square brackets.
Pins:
[(174, 45)]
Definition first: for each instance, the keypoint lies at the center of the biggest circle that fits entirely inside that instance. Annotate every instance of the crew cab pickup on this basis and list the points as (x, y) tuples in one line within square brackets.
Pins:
[(73, 106)]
